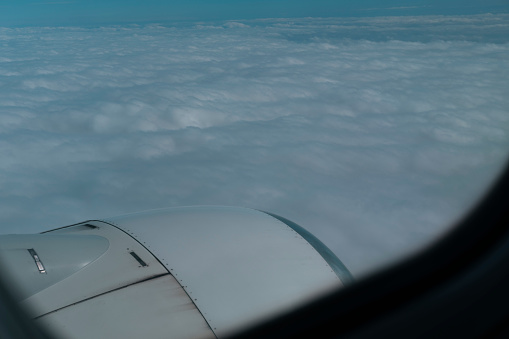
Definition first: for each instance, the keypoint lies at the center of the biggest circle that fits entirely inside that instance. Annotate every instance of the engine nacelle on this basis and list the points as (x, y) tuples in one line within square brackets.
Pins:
[(188, 272)]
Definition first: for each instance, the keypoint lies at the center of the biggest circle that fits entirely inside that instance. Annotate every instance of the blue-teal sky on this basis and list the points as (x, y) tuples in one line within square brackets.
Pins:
[(86, 12)]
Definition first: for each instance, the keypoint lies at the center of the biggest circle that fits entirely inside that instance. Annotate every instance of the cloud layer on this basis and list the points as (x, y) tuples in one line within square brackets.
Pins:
[(374, 134)]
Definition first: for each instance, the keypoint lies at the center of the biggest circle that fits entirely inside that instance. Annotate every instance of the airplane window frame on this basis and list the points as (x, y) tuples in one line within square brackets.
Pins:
[(458, 286)]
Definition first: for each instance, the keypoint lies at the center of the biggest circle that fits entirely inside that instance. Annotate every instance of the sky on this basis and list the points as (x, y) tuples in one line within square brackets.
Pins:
[(374, 133), (93, 12)]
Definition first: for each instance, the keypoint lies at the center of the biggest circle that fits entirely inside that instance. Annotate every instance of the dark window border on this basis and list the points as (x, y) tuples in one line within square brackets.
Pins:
[(458, 287)]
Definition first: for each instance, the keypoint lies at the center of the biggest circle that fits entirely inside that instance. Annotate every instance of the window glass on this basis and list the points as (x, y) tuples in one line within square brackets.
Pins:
[(374, 126)]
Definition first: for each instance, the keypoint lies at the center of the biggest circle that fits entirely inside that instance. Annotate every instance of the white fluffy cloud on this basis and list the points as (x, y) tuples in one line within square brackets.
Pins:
[(374, 134)]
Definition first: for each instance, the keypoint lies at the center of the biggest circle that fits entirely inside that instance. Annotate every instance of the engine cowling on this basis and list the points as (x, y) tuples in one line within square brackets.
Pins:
[(187, 272)]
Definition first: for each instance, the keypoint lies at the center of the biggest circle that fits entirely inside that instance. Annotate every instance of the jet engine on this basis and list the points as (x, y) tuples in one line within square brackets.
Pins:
[(187, 272)]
